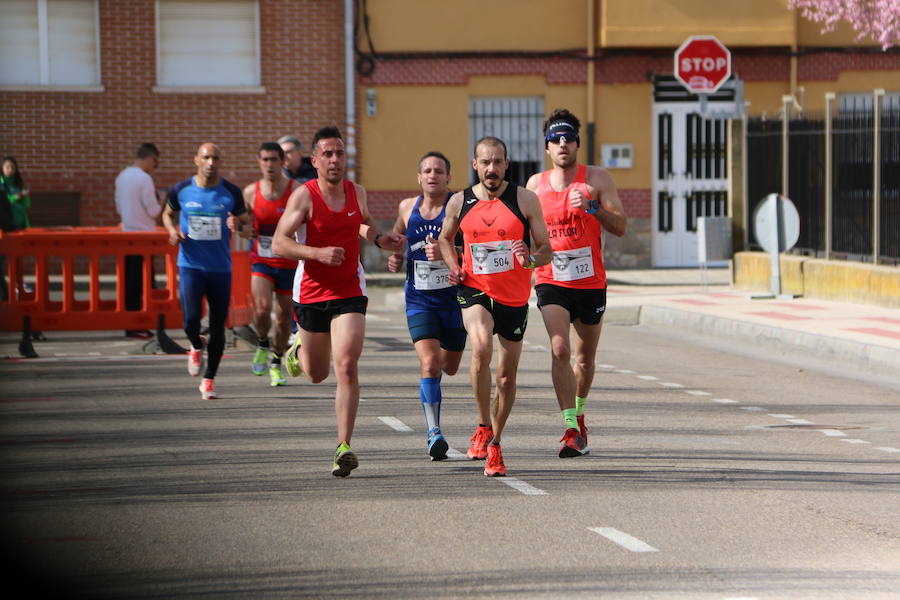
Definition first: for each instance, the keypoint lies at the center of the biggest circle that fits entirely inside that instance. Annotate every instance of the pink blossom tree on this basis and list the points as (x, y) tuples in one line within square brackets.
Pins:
[(878, 20)]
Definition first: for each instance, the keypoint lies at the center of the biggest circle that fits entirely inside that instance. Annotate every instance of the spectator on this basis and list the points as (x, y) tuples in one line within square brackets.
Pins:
[(139, 208), (296, 166), (16, 193)]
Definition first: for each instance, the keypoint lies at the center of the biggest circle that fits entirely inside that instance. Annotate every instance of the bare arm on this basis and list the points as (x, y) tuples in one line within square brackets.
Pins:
[(169, 220), (367, 230), (395, 261), (610, 213), (531, 209), (448, 237), (297, 212)]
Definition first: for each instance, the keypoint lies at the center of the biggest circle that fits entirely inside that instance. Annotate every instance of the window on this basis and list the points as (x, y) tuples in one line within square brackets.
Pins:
[(518, 121), (207, 43), (49, 42)]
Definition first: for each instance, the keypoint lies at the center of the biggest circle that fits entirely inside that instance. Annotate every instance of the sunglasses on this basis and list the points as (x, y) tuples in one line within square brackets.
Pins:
[(563, 136)]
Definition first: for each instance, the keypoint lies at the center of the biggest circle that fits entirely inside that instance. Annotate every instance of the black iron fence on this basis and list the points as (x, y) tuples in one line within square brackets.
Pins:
[(852, 185)]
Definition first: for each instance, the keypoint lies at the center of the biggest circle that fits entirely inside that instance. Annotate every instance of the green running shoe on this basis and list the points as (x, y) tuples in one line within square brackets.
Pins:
[(277, 376), (344, 460), (258, 366), (291, 360)]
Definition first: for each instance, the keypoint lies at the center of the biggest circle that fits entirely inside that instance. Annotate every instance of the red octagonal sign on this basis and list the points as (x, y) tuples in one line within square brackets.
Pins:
[(702, 64)]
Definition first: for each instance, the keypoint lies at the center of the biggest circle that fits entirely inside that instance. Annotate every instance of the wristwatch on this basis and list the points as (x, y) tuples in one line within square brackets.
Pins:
[(592, 207)]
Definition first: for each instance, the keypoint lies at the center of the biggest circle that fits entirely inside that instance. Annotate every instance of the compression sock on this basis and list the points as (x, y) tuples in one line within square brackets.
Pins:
[(579, 405), (430, 395), (570, 418)]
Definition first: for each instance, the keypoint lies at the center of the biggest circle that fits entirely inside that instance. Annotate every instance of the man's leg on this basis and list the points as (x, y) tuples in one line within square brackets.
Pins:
[(587, 339), (505, 396), (347, 334), (556, 320), (218, 297), (134, 281), (479, 325), (261, 287)]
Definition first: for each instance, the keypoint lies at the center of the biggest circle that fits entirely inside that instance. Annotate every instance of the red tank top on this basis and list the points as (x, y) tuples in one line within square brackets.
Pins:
[(265, 218), (317, 282), (575, 238), (489, 228)]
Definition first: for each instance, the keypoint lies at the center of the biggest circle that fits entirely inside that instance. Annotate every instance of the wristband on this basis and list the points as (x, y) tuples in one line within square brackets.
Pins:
[(375, 241), (592, 207), (531, 262)]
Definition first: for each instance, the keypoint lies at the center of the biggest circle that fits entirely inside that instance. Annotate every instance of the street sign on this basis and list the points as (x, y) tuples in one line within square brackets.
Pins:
[(776, 223), (702, 64)]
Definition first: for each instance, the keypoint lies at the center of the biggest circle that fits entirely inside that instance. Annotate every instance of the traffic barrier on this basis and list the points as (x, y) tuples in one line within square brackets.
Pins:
[(62, 309)]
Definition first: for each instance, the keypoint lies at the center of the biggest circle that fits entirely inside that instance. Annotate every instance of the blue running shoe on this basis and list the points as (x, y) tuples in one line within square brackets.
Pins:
[(437, 445)]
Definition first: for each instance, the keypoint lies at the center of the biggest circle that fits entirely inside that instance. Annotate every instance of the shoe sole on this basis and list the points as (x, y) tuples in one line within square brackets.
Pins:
[(498, 474), (346, 462), (566, 452), (438, 450), (260, 373), (471, 456)]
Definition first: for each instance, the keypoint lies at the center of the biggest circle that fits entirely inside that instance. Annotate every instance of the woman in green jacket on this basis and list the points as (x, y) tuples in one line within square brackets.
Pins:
[(16, 193)]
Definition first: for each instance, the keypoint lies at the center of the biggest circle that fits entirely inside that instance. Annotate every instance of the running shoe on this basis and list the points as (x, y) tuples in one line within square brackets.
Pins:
[(208, 389), (276, 375), (494, 466), (258, 366), (344, 460), (437, 445), (291, 358), (196, 360), (583, 430), (572, 444), (479, 443)]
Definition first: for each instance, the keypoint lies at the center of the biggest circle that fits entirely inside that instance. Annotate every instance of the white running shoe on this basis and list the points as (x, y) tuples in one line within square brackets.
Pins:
[(196, 360), (208, 389)]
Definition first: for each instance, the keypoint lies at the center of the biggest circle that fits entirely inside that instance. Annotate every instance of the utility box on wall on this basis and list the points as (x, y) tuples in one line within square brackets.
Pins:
[(616, 156)]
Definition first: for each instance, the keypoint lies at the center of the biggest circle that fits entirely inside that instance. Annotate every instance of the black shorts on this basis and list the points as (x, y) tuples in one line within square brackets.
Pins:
[(586, 305), (316, 316), (509, 321)]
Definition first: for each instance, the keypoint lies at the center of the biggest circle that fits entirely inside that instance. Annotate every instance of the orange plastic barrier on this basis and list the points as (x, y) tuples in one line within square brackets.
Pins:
[(55, 310)]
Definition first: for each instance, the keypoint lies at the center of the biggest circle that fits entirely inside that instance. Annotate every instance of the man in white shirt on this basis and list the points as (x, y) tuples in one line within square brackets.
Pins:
[(139, 209)]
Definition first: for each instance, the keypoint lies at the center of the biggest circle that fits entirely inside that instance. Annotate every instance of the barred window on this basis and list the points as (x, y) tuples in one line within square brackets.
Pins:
[(518, 121)]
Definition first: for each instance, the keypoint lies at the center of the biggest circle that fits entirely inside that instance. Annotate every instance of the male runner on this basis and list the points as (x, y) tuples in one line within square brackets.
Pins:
[(576, 201), (201, 206), (266, 199), (498, 220), (432, 311), (326, 215)]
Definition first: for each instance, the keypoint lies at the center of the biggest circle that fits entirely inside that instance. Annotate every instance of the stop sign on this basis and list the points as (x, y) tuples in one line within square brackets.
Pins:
[(702, 64)]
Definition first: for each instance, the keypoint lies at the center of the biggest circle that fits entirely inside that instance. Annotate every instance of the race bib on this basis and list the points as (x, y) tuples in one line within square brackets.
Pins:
[(569, 265), (431, 275), (264, 247), (491, 257), (203, 228)]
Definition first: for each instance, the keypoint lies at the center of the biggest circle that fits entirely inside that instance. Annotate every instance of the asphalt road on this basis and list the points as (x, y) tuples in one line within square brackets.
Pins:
[(713, 474)]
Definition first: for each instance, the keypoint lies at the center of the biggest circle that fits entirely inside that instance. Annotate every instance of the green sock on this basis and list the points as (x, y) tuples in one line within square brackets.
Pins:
[(579, 405), (570, 418)]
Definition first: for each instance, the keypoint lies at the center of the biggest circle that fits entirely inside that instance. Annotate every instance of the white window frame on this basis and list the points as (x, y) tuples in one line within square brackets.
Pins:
[(45, 85), (210, 89)]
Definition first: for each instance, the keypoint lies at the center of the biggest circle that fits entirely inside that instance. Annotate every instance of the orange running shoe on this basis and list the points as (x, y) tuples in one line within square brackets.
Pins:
[(208, 389), (572, 444), (583, 430), (494, 466), (479, 442)]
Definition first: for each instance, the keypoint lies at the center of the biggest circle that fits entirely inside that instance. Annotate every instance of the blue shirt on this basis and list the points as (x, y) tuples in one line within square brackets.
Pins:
[(417, 229), (203, 221)]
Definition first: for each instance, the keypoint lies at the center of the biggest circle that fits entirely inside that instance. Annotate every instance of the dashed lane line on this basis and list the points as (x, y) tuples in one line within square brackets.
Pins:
[(833, 432), (628, 542), (648, 377), (780, 416), (670, 384), (698, 393), (887, 449), (521, 486), (800, 422), (725, 401), (395, 424), (855, 441)]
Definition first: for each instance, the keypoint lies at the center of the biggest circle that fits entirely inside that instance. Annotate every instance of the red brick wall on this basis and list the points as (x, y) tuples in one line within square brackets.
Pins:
[(80, 141)]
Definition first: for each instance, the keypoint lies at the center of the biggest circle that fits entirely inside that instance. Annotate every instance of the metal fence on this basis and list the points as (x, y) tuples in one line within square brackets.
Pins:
[(853, 218)]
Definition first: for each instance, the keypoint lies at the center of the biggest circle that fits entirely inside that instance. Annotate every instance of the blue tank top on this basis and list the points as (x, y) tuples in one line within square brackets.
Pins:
[(424, 279)]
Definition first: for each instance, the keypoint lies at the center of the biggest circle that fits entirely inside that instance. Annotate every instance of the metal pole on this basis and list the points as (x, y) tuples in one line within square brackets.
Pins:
[(349, 91), (787, 101), (876, 175), (829, 174)]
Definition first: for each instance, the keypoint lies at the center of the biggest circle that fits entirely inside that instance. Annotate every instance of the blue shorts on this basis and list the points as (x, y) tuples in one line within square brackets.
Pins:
[(446, 326), (282, 278)]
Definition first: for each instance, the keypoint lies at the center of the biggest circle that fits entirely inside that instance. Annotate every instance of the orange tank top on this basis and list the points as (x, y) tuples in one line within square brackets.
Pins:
[(575, 238), (489, 228)]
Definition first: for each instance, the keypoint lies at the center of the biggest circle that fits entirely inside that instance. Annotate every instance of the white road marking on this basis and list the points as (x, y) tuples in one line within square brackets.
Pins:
[(623, 539), (669, 384), (625, 371), (780, 416), (395, 424), (698, 393), (648, 377), (800, 422), (887, 449), (833, 433), (754, 408), (606, 366), (521, 486), (725, 401), (374, 317), (454, 454), (93, 354), (855, 441)]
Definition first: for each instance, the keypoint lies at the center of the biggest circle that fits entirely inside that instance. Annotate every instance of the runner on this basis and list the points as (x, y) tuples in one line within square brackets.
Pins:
[(319, 228), (201, 206), (571, 291), (432, 311), (266, 199), (498, 220)]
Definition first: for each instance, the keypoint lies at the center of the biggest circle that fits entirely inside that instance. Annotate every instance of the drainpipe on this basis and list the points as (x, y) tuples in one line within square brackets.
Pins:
[(349, 91), (590, 82)]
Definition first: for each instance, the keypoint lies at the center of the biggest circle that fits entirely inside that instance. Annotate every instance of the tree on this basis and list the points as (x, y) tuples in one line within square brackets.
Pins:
[(878, 20)]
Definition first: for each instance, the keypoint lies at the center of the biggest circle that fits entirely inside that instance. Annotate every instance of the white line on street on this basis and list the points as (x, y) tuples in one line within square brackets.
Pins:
[(754, 408), (625, 371), (725, 401), (525, 488), (606, 366), (669, 384), (454, 454), (395, 424), (887, 449), (623, 539), (780, 416), (799, 421), (648, 377), (698, 393), (833, 433), (855, 441)]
